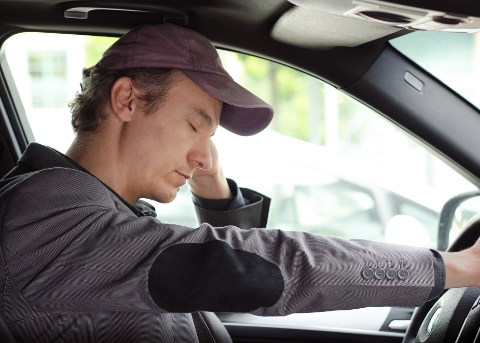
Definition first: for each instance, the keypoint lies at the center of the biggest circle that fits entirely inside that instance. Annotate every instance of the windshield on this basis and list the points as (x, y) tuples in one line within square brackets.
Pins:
[(453, 58)]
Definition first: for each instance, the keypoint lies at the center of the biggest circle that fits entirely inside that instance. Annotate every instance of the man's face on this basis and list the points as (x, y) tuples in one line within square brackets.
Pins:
[(170, 143)]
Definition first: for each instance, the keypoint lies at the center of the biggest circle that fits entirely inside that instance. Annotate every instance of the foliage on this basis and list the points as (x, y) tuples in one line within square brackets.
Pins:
[(283, 88), (94, 48)]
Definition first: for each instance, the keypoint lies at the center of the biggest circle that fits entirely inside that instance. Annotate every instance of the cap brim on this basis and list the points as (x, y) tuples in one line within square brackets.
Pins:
[(243, 112)]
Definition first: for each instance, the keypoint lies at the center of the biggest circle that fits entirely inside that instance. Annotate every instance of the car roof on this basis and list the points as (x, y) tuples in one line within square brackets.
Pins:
[(238, 25), (242, 25)]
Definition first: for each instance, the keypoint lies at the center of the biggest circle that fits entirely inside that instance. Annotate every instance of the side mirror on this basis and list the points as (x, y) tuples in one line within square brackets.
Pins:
[(454, 215)]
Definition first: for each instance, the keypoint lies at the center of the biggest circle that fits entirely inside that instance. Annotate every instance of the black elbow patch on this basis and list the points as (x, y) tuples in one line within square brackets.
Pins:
[(213, 277)]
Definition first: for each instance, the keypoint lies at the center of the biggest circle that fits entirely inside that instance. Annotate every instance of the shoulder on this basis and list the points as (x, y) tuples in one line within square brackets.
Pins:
[(57, 187)]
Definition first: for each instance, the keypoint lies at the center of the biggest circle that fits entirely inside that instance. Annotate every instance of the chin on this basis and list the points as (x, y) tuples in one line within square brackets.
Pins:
[(165, 197)]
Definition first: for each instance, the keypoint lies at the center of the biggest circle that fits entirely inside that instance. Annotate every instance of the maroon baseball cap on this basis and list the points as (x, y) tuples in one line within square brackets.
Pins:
[(172, 46)]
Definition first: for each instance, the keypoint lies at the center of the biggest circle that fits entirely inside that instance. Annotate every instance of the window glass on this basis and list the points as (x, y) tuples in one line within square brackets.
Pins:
[(426, 222), (330, 164), (451, 57), (48, 74)]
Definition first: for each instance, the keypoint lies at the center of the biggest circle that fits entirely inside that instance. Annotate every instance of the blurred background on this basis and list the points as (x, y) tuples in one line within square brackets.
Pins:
[(330, 164)]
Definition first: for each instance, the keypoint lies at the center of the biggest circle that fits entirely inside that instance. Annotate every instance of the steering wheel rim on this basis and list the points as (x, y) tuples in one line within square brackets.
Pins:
[(445, 319), (469, 235)]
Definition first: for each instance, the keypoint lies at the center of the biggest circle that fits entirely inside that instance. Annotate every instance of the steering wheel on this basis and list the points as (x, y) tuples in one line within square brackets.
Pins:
[(455, 316)]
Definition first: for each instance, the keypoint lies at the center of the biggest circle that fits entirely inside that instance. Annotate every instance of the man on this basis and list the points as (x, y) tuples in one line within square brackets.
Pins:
[(82, 263)]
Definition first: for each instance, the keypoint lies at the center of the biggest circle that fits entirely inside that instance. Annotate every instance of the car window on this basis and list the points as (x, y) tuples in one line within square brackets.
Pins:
[(330, 164), (423, 215), (451, 57)]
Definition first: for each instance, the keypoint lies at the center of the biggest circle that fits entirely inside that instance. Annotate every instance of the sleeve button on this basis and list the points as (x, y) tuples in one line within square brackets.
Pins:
[(391, 273), (403, 274), (367, 273), (379, 273)]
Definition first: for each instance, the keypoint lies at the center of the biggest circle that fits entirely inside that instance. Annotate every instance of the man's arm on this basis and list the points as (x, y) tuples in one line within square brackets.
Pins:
[(220, 202), (462, 268)]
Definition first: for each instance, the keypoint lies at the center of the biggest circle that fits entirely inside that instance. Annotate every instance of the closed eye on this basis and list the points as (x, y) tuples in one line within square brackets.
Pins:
[(193, 128)]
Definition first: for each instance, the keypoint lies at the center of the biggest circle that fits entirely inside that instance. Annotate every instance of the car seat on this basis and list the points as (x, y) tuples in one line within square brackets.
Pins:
[(6, 336), (6, 159), (209, 328)]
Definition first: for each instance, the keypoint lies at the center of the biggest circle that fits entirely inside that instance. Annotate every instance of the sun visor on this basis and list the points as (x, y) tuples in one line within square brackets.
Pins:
[(324, 24), (392, 14), (313, 29)]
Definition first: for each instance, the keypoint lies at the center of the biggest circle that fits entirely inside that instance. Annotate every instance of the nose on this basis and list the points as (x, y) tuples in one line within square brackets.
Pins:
[(201, 156)]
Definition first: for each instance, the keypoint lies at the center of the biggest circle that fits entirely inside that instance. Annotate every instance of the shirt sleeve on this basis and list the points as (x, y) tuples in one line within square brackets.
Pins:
[(439, 275), (246, 209), (237, 201), (234, 202)]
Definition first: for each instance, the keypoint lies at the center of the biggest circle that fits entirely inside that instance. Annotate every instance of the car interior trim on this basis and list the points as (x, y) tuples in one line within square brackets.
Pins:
[(399, 324), (80, 10), (427, 18), (436, 117), (230, 326), (7, 162), (12, 108), (322, 64), (8, 132), (311, 29), (413, 81)]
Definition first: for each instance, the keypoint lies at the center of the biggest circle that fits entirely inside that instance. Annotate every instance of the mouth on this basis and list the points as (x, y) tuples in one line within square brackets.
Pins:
[(185, 177)]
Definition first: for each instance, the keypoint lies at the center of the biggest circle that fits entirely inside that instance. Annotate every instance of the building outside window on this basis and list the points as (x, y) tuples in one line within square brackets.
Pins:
[(48, 73)]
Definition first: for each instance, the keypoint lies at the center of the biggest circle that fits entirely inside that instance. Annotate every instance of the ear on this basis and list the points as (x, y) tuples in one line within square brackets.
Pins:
[(122, 99)]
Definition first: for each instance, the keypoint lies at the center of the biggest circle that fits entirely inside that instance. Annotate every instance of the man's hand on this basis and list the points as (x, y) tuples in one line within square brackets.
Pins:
[(463, 267), (210, 183)]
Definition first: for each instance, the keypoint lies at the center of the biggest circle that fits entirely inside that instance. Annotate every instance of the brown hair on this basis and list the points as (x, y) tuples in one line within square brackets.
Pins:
[(88, 106)]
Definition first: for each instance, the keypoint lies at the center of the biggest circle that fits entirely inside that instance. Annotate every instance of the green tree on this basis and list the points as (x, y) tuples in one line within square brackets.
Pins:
[(95, 46), (299, 102), (282, 87)]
